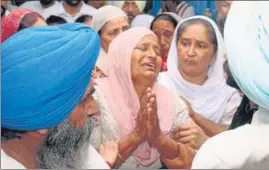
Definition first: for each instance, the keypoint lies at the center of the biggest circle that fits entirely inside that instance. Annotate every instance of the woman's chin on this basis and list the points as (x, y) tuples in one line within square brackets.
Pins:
[(151, 75)]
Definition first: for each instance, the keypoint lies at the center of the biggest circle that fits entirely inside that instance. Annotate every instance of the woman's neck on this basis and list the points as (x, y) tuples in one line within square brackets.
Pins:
[(72, 10), (140, 88), (24, 150), (198, 80)]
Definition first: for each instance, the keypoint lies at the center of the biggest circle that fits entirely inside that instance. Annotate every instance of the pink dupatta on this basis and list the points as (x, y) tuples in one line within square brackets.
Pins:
[(122, 98)]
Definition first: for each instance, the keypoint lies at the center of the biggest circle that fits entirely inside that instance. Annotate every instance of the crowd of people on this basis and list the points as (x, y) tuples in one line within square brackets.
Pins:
[(105, 85)]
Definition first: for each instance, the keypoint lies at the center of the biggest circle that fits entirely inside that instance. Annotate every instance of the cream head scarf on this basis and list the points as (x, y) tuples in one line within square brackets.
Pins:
[(209, 99)]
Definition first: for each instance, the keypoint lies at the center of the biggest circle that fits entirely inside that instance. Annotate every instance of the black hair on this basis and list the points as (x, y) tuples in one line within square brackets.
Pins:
[(210, 29), (86, 1), (165, 17), (46, 3), (83, 18), (55, 20), (18, 2), (7, 134), (230, 80), (3, 10), (149, 6)]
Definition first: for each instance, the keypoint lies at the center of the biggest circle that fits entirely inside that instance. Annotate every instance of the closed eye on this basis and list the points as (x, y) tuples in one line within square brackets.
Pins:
[(141, 47)]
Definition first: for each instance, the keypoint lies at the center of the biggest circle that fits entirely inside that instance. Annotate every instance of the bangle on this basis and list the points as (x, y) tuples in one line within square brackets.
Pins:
[(109, 164)]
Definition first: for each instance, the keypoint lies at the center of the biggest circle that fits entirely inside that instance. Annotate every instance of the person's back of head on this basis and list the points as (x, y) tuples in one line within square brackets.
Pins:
[(47, 3), (84, 18), (55, 20), (73, 3), (18, 20)]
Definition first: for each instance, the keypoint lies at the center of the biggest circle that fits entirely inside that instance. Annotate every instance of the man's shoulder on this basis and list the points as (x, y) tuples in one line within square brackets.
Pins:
[(9, 163), (244, 147)]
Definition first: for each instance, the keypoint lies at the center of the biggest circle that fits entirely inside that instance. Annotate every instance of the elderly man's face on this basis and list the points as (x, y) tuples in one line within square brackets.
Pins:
[(66, 145), (84, 109), (131, 9), (224, 7)]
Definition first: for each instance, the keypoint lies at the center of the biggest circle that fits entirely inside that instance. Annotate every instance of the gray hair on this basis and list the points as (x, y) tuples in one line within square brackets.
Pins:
[(65, 146)]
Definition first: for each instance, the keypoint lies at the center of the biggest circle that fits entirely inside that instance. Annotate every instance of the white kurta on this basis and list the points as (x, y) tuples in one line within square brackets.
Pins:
[(58, 10), (35, 6), (244, 147), (9, 163), (95, 161)]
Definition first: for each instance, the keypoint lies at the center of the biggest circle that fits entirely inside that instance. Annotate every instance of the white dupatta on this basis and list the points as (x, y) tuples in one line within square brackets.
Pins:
[(210, 99)]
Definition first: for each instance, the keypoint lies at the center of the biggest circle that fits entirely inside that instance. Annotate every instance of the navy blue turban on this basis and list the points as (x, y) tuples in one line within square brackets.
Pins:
[(45, 73)]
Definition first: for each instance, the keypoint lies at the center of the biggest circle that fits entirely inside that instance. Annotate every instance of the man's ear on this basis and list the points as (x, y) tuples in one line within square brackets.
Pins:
[(43, 131)]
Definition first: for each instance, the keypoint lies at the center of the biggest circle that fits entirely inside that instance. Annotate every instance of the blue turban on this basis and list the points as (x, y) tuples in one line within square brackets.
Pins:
[(247, 42), (45, 73)]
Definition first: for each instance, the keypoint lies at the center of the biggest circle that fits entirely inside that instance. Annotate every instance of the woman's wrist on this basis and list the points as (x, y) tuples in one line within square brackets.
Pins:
[(135, 138), (157, 141)]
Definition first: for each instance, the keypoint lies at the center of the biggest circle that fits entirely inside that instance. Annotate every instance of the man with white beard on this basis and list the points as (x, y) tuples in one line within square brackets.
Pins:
[(47, 105)]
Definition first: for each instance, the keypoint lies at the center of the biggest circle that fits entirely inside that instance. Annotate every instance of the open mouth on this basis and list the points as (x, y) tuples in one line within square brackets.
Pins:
[(150, 66)]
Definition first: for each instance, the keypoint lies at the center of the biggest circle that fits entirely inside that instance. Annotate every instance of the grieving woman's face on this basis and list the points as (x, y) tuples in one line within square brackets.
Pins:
[(164, 30), (146, 60), (65, 146), (111, 29), (195, 51)]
